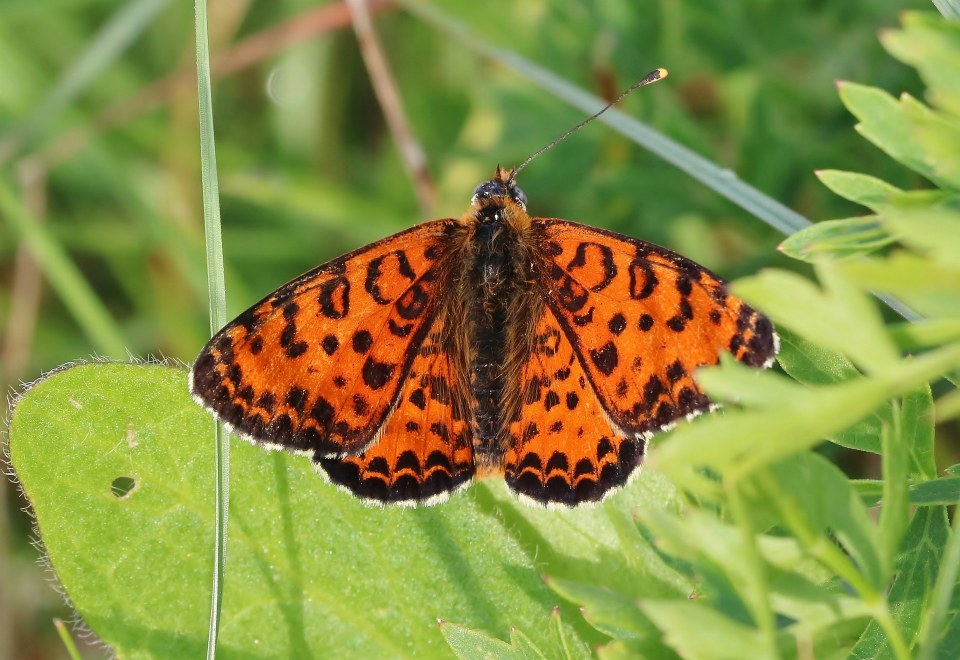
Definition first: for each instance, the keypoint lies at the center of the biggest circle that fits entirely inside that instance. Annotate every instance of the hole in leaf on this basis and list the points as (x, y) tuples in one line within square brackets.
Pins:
[(122, 487)]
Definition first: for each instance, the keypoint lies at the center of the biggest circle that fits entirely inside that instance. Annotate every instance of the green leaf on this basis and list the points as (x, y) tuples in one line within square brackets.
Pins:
[(797, 304), (932, 46), (740, 441), (810, 496), (650, 568), (910, 593), (814, 365), (894, 513), (860, 188), (311, 571), (917, 427), (696, 630), (945, 491), (911, 133), (607, 611), (470, 644), (837, 239), (925, 334), (930, 289), (736, 382), (931, 230)]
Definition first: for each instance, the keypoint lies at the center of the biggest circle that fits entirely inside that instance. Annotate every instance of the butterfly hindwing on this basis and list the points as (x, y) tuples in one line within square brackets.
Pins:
[(642, 319), (424, 450), (316, 366), (564, 449)]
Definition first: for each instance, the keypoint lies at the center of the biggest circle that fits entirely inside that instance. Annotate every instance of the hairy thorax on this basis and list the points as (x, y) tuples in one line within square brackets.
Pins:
[(490, 316)]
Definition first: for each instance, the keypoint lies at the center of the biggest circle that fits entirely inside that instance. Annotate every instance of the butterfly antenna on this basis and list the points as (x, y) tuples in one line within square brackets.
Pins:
[(653, 76)]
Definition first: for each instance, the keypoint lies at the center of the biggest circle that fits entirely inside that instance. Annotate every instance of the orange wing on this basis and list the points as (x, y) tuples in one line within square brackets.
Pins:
[(424, 450), (641, 319), (563, 447), (316, 366)]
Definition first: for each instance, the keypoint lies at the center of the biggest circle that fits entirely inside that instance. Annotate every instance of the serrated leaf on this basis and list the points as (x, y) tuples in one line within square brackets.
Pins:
[(311, 571), (696, 630), (722, 553), (470, 644), (565, 645), (932, 46), (907, 130), (609, 612), (658, 577), (837, 239)]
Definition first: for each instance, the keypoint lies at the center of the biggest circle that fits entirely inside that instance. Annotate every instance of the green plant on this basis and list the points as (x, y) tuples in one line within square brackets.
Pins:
[(773, 542)]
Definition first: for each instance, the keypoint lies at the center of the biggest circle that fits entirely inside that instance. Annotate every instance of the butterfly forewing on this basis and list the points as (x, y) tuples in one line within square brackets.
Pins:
[(317, 365), (641, 319)]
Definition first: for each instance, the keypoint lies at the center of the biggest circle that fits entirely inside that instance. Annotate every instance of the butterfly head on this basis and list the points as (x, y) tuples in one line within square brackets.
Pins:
[(497, 191)]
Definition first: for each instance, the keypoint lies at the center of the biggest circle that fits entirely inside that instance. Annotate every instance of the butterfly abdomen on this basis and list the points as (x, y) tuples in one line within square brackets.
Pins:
[(490, 279)]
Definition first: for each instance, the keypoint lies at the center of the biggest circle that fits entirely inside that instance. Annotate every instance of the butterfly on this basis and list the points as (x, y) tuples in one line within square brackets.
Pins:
[(538, 349)]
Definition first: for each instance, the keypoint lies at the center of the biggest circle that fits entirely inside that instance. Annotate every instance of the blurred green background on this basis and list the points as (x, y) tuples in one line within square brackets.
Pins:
[(99, 145)]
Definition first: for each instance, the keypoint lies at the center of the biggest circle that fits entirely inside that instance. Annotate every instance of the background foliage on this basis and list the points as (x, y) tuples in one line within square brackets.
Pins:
[(100, 183)]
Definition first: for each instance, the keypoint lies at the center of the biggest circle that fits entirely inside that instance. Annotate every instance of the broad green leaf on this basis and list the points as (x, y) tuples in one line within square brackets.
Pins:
[(837, 239), (932, 46), (910, 593), (470, 644), (860, 188), (310, 571)]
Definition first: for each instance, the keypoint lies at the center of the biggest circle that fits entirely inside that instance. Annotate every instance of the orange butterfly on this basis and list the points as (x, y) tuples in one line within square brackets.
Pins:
[(539, 349)]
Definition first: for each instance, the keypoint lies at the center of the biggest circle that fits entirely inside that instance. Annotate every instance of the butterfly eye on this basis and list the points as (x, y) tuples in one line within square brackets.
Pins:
[(488, 189), (519, 197)]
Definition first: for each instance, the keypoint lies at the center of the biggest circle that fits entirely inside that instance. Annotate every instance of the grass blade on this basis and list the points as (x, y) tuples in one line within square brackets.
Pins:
[(218, 308)]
